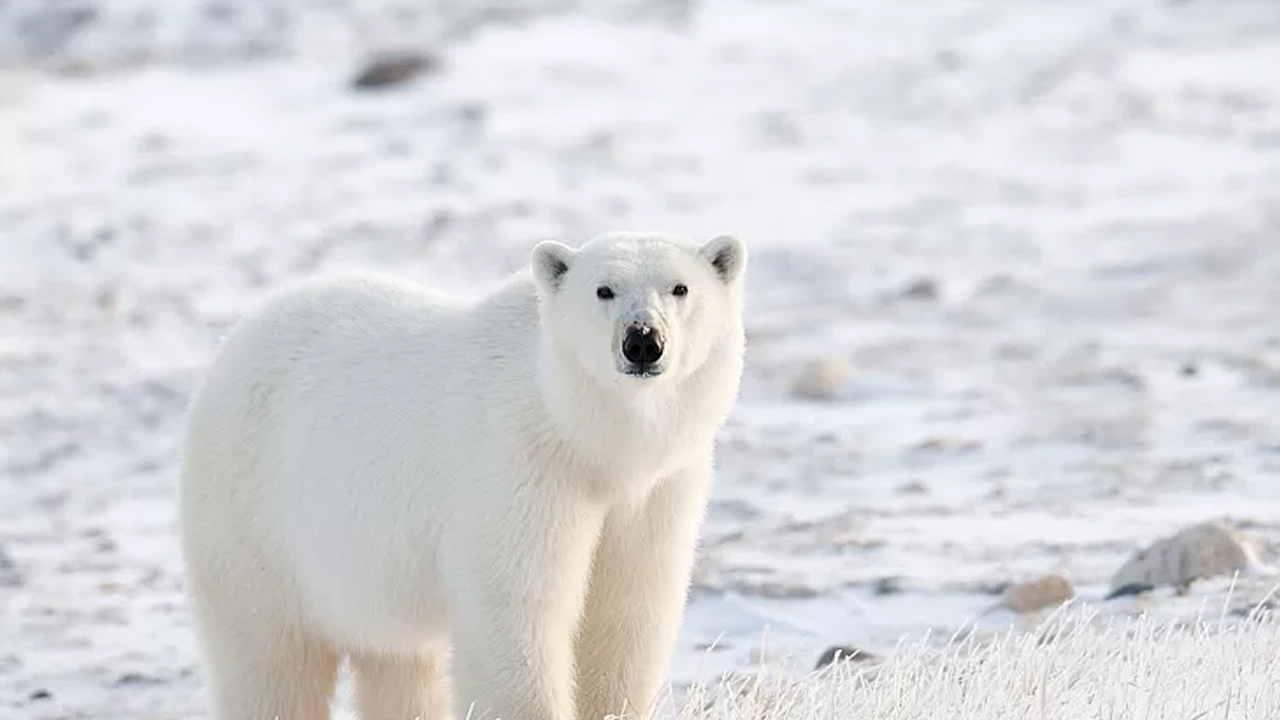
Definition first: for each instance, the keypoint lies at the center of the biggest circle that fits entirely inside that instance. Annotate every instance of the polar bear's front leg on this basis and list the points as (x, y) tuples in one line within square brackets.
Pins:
[(518, 603), (638, 586)]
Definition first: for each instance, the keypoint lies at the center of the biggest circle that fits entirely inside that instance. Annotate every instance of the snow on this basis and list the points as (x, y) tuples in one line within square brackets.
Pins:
[(1094, 187)]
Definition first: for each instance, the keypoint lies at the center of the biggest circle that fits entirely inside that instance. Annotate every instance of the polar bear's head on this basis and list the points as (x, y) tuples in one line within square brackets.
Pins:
[(642, 308)]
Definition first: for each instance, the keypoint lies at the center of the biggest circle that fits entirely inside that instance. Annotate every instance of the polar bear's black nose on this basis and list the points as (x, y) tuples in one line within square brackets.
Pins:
[(642, 345)]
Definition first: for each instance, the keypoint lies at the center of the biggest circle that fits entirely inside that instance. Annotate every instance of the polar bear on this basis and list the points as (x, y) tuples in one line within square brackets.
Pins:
[(489, 507)]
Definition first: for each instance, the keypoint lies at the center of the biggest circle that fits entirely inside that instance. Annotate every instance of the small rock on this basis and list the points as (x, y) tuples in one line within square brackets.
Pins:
[(924, 288), (996, 589), (708, 647), (391, 69), (1129, 589), (1038, 594), (946, 444), (1251, 611), (136, 678), (887, 586), (843, 653), (821, 379), (9, 575), (40, 694), (1206, 550), (913, 487)]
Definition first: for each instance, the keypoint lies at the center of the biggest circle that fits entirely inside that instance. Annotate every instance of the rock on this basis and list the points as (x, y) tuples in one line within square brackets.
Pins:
[(40, 694), (946, 445), (843, 653), (710, 647), (1256, 609), (913, 487), (1129, 589), (997, 589), (1039, 594), (390, 69), (137, 678), (924, 288), (9, 575), (1206, 550), (887, 586), (821, 379)]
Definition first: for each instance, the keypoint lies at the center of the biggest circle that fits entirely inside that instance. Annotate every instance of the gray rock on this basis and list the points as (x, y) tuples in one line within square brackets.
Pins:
[(887, 586), (1211, 549), (924, 288), (9, 574), (844, 653), (137, 678), (389, 69)]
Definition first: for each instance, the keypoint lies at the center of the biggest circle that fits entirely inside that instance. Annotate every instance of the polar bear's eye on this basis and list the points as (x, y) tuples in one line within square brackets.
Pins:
[(680, 290), (604, 292)]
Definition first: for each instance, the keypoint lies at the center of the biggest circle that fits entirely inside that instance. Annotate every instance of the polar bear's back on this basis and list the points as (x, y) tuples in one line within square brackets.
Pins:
[(352, 337), (338, 403), (347, 344)]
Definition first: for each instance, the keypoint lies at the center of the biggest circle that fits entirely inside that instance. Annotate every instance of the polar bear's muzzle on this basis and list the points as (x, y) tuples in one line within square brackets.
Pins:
[(642, 347)]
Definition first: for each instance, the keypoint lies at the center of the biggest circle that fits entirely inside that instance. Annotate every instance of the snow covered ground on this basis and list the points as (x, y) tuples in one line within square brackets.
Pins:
[(1045, 235)]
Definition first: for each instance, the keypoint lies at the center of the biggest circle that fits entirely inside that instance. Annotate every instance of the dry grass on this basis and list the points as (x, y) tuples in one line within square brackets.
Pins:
[(1073, 667)]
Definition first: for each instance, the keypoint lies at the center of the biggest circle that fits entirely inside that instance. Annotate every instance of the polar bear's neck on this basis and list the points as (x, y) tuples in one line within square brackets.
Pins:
[(635, 435)]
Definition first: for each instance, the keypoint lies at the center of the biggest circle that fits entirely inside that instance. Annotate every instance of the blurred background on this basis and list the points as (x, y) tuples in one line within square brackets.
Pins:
[(1013, 305)]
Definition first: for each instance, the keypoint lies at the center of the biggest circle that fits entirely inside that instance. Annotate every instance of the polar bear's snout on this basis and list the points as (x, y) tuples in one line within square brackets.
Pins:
[(642, 346)]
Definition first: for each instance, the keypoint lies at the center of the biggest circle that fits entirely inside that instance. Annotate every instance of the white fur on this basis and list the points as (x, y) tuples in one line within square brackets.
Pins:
[(378, 471)]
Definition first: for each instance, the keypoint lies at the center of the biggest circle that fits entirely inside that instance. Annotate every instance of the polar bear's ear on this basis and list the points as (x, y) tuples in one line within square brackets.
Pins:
[(727, 254), (551, 260)]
